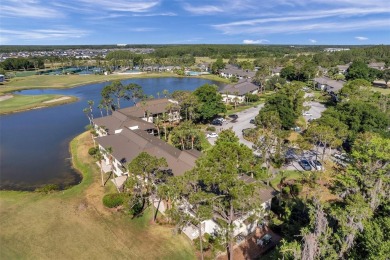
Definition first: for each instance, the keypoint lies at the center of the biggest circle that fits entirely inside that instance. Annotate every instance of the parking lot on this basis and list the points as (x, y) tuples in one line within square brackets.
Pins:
[(242, 122), (315, 110)]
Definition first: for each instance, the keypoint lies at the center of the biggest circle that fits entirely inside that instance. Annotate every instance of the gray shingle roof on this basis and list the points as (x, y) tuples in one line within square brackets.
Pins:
[(242, 87), (130, 143)]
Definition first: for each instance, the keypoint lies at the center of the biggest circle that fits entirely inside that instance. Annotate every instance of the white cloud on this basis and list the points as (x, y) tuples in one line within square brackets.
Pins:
[(204, 9), (361, 38), (156, 14), (312, 40), (124, 5), (142, 29), (39, 34), (30, 9), (293, 28), (255, 41)]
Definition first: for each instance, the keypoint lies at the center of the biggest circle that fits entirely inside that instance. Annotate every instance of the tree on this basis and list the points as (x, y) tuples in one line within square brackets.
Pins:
[(386, 76), (261, 75), (359, 70), (281, 104), (99, 157), (217, 65), (219, 172), (186, 136), (358, 89), (145, 169), (210, 102), (288, 73)]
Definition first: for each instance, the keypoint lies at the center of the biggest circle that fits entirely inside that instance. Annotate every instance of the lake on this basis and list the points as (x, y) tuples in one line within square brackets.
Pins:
[(34, 145)]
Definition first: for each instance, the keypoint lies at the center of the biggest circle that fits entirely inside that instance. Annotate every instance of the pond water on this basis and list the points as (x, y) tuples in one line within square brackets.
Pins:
[(34, 145)]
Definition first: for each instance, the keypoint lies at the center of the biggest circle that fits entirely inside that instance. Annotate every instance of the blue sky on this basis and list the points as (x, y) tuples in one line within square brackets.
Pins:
[(63, 22)]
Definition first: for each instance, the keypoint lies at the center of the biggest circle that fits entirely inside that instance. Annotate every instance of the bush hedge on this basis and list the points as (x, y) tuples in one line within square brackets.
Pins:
[(92, 151), (113, 200)]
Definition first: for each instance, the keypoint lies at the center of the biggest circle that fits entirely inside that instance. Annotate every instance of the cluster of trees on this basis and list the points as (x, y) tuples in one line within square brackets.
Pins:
[(115, 92), (286, 105), (212, 187), (22, 64), (349, 227)]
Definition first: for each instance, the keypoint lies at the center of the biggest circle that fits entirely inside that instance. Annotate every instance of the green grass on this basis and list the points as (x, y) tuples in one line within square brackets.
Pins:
[(385, 91), (290, 175), (22, 103), (73, 224)]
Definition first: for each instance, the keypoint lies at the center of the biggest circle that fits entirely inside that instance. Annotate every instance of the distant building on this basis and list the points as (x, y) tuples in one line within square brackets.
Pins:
[(336, 49), (377, 65), (329, 85), (238, 90), (233, 71)]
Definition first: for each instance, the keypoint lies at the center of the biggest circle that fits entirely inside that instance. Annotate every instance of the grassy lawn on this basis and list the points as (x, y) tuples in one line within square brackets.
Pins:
[(73, 224), (385, 91), (21, 103), (290, 175)]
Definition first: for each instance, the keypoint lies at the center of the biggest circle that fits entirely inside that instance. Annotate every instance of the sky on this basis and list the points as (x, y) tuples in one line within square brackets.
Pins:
[(307, 22)]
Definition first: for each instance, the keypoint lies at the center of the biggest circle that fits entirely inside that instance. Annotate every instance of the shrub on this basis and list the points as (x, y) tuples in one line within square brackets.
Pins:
[(296, 188), (113, 200), (286, 190), (92, 151), (211, 128), (137, 207), (48, 188), (229, 107)]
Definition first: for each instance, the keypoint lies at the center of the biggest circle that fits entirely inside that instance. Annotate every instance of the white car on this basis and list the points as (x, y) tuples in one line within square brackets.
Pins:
[(316, 165), (212, 135), (307, 114)]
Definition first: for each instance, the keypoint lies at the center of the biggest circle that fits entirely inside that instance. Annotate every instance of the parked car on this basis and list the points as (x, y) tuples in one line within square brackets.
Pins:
[(221, 119), (234, 116), (307, 114), (316, 165), (265, 240), (305, 164), (252, 121), (216, 122), (212, 135)]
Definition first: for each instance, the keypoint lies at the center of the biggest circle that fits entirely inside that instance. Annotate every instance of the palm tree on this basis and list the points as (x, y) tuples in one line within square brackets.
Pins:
[(157, 123), (109, 151), (235, 99), (101, 106), (165, 93), (90, 104), (99, 156)]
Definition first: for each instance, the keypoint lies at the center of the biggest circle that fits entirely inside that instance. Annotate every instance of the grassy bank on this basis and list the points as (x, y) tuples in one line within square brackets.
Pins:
[(73, 224), (20, 103)]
